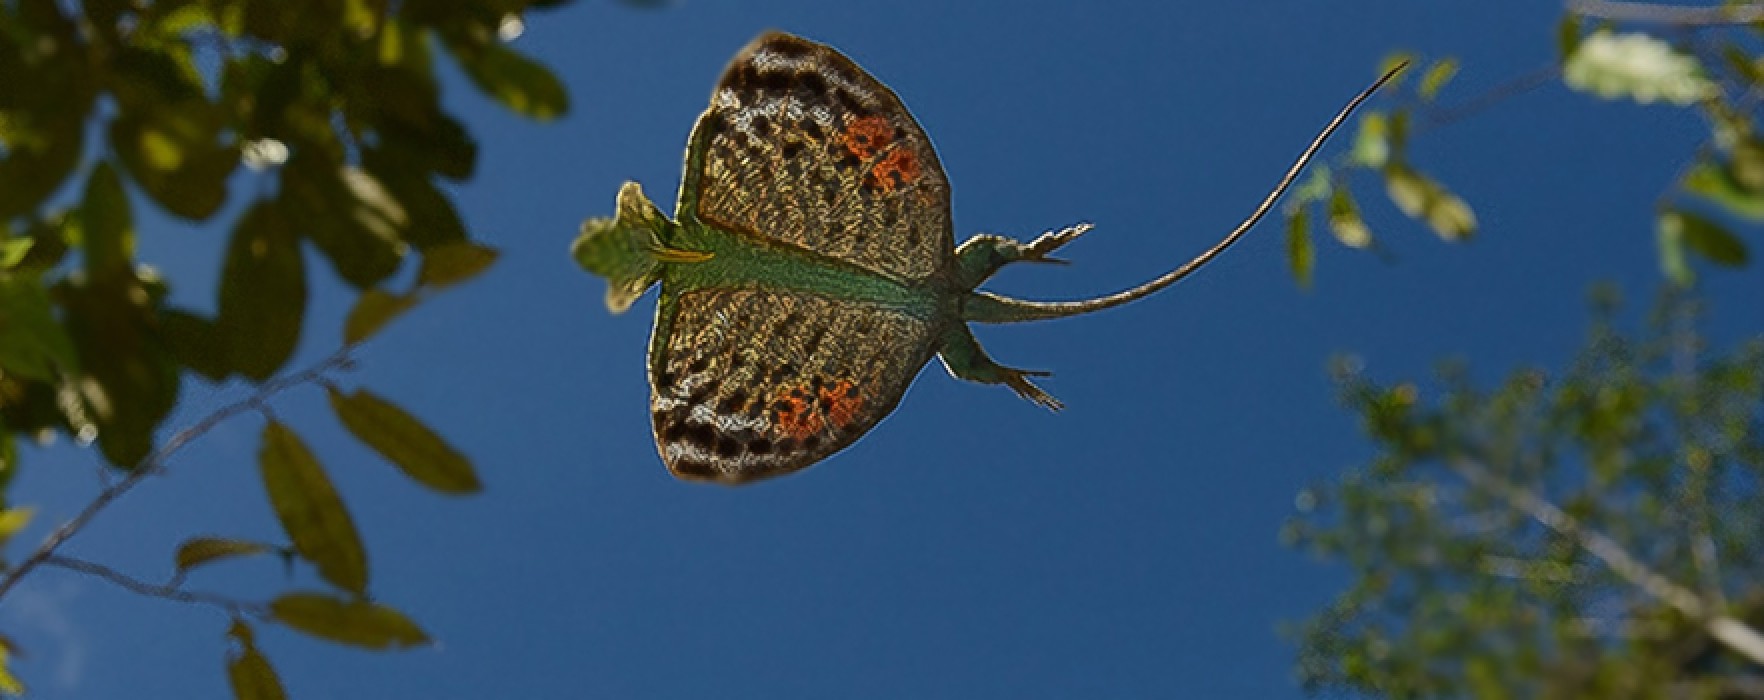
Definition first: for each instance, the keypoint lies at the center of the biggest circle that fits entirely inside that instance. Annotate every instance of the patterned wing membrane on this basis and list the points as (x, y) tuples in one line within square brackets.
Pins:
[(752, 383), (801, 146)]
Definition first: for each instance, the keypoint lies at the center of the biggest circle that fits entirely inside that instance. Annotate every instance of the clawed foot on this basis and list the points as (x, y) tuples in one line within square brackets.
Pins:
[(1018, 381), (1038, 249)]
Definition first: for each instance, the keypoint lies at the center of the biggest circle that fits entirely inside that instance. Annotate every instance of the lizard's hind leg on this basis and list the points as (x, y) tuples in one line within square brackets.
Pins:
[(965, 359)]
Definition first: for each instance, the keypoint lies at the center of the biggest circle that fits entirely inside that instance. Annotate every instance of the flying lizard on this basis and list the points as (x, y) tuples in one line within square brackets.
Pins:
[(810, 270)]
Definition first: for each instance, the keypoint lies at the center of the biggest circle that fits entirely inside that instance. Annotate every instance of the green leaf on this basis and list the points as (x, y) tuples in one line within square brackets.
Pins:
[(1637, 66), (32, 343), (1300, 253), (1390, 62), (353, 622), (403, 440), (1371, 145), (1407, 190), (1670, 236), (310, 511), (373, 310), (262, 292), (1706, 238), (175, 154), (130, 379), (1345, 222), (196, 343), (518, 83), (9, 684), (1316, 188), (451, 264), (1450, 216), (197, 551), (1568, 36), (13, 520), (1436, 77), (249, 673), (105, 224), (1717, 184), (350, 217), (13, 251)]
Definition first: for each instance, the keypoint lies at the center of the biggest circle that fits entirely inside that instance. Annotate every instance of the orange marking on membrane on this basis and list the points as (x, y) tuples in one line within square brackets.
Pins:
[(797, 418), (842, 401), (865, 136), (898, 169)]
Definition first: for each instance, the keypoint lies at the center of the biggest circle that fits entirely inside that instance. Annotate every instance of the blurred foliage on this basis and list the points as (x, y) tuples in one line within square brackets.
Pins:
[(325, 118), (1462, 590), (1714, 70)]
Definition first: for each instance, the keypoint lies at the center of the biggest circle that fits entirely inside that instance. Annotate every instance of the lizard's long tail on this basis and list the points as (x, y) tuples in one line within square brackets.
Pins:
[(984, 307)]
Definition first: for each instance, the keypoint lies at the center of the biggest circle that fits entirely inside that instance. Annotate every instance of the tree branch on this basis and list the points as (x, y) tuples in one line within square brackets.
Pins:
[(173, 592), (155, 462), (1668, 14), (1736, 635)]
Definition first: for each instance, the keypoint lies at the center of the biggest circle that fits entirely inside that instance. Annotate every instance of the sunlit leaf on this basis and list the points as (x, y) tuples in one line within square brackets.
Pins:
[(1301, 255), (9, 684), (1436, 77), (1371, 145), (262, 292), (1450, 216), (1670, 236), (354, 622), (1637, 66), (1717, 184), (517, 82), (249, 673), (1407, 190), (1345, 222), (12, 520), (1390, 63), (310, 511), (32, 343), (403, 440), (197, 551), (372, 311), (1316, 188), (448, 265), (13, 251)]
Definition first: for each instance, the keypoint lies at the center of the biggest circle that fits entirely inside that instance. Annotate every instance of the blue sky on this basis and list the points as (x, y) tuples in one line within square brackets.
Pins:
[(973, 545)]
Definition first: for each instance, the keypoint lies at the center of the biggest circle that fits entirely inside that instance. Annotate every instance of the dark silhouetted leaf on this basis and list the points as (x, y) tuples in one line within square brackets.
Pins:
[(106, 224), (248, 671), (196, 343), (518, 83), (373, 310), (130, 378), (1706, 238), (348, 215), (262, 292), (197, 551), (310, 510), (448, 265), (405, 441), (176, 156), (354, 622)]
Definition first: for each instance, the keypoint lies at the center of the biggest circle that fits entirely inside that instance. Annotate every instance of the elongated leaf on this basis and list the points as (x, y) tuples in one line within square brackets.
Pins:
[(1437, 75), (196, 342), (518, 83), (1301, 255), (9, 684), (451, 264), (13, 251), (1371, 144), (1706, 238), (1637, 66), (348, 215), (405, 441), (1717, 184), (1345, 222), (248, 671), (129, 380), (1670, 236), (354, 622), (310, 510), (197, 551), (372, 311), (106, 224), (262, 292)]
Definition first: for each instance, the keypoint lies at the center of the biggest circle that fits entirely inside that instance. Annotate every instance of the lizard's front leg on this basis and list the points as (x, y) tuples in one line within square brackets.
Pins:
[(980, 257)]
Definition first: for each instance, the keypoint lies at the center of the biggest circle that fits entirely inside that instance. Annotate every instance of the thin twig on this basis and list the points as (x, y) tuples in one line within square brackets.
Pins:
[(154, 463), (1736, 635), (1668, 14), (167, 591)]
